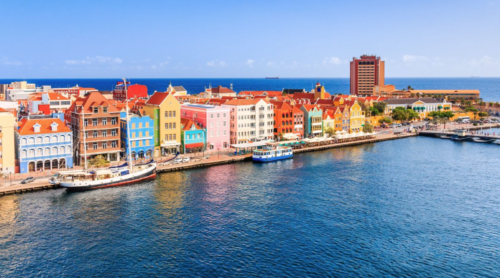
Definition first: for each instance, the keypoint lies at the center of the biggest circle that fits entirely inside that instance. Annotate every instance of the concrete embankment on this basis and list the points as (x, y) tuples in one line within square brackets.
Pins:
[(212, 161)]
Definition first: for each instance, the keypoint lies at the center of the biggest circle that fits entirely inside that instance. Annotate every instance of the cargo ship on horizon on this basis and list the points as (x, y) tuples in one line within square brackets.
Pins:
[(276, 77)]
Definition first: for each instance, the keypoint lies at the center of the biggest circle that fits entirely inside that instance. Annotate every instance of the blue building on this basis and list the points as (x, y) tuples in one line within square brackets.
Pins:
[(193, 137), (313, 120), (44, 144), (141, 136)]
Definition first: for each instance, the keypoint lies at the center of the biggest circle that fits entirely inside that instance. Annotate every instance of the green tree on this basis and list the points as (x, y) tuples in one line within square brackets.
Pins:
[(385, 120), (98, 161), (483, 114), (380, 106), (412, 114), (399, 114), (330, 131), (368, 128), (410, 88), (374, 111)]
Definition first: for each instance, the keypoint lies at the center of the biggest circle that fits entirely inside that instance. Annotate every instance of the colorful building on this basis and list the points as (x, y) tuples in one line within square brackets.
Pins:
[(193, 137), (298, 122), (421, 105), (214, 119), (177, 91), (328, 120), (313, 119), (165, 110), (133, 91), (251, 120), (44, 144), (7, 143), (94, 117), (357, 118), (283, 119), (141, 136), (49, 102)]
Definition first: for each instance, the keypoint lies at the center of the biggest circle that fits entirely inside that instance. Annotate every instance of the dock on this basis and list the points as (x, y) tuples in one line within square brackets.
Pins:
[(211, 161)]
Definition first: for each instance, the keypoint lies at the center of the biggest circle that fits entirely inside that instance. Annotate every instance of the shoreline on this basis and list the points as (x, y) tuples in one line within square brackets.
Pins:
[(27, 188)]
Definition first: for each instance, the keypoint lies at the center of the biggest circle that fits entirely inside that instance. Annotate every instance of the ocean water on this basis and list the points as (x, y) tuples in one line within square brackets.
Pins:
[(416, 207), (489, 87)]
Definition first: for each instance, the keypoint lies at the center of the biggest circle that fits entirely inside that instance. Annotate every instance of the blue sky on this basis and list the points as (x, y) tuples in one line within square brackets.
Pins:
[(89, 39)]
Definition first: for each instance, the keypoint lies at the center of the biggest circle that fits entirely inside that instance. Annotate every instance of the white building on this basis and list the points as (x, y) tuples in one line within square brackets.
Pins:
[(22, 94), (251, 120)]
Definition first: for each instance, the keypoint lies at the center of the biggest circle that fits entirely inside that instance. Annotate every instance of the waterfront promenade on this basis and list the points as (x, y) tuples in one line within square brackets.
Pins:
[(200, 161)]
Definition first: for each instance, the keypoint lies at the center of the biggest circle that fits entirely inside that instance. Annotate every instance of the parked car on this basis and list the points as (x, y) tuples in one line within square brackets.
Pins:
[(178, 160), (186, 159), (396, 125), (28, 180)]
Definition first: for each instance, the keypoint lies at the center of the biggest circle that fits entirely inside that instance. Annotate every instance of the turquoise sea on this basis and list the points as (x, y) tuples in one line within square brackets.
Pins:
[(489, 87)]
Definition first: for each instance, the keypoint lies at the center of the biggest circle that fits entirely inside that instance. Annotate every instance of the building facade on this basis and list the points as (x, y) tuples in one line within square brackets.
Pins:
[(44, 144), (251, 120), (357, 118), (215, 119), (7, 143), (313, 119), (423, 106), (133, 91), (141, 136), (366, 73), (193, 137), (165, 110), (95, 123)]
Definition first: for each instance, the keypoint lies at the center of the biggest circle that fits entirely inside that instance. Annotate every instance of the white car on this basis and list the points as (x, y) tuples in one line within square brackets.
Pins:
[(186, 159), (178, 160)]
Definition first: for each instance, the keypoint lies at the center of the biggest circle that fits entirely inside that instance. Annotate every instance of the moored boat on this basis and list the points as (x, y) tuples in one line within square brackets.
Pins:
[(268, 154), (460, 135), (483, 140)]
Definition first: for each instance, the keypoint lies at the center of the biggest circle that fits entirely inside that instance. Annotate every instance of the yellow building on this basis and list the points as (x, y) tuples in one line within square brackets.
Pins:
[(423, 106), (328, 120), (357, 119), (7, 143), (165, 110)]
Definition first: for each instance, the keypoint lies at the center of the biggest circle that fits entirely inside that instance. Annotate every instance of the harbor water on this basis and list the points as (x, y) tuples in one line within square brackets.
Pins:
[(412, 207)]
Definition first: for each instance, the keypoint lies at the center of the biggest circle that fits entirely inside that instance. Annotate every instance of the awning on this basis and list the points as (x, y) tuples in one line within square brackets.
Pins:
[(194, 145)]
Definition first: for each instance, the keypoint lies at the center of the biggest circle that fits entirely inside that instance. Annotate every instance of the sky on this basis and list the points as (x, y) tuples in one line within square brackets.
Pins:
[(199, 38)]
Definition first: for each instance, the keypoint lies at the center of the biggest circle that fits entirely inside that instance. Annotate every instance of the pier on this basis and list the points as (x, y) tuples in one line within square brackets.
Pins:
[(211, 161)]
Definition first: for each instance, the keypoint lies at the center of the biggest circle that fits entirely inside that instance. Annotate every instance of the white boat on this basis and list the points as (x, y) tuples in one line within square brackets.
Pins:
[(268, 154), (124, 174), (109, 177), (483, 140)]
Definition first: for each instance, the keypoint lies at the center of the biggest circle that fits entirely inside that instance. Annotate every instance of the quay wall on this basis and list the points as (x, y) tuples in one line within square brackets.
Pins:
[(19, 189)]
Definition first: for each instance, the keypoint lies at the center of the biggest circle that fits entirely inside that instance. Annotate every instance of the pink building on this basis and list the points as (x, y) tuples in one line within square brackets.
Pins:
[(215, 119)]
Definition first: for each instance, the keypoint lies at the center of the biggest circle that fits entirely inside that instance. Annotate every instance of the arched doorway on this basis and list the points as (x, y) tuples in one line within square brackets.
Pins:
[(62, 163), (55, 164), (39, 165), (133, 156), (149, 153), (141, 154), (31, 166), (46, 165)]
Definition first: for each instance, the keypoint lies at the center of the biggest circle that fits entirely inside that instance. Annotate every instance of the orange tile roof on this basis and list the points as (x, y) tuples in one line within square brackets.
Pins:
[(92, 99), (56, 96), (26, 126), (238, 101), (187, 123)]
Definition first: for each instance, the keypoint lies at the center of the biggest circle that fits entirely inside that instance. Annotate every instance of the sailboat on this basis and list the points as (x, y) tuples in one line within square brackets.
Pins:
[(127, 173)]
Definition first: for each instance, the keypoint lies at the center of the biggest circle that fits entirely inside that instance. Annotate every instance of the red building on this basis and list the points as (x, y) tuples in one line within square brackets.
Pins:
[(133, 91), (366, 73), (283, 118)]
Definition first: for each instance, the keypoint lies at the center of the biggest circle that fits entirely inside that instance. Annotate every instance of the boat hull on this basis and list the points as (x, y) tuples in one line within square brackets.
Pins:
[(270, 159), (145, 177)]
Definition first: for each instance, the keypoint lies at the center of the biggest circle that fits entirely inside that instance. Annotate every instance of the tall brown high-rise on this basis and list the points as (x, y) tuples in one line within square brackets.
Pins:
[(366, 72)]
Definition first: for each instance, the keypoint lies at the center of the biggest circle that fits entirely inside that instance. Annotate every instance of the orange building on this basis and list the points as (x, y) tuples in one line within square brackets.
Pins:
[(366, 73)]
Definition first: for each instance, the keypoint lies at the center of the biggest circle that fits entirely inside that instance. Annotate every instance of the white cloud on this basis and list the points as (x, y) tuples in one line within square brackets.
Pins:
[(216, 63), (250, 62), (5, 61), (95, 60), (271, 64), (483, 61), (414, 58), (332, 60)]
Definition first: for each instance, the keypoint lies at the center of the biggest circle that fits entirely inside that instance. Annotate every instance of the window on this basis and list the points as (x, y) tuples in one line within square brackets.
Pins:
[(104, 133), (39, 152), (94, 145), (133, 126), (32, 153), (224, 132), (104, 121), (147, 124), (104, 145), (39, 140), (47, 151), (23, 154), (96, 110), (174, 125), (94, 134), (174, 113), (68, 149), (218, 115), (94, 122), (211, 134), (54, 150), (31, 141), (54, 139), (212, 116), (105, 109), (113, 144), (113, 132), (61, 149), (113, 121), (170, 126), (169, 114), (24, 141), (175, 136), (86, 123), (224, 123)]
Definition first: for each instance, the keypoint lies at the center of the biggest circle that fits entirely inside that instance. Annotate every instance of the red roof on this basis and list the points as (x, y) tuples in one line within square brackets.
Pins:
[(157, 98), (237, 101), (219, 89), (194, 145), (55, 96), (303, 95), (26, 126)]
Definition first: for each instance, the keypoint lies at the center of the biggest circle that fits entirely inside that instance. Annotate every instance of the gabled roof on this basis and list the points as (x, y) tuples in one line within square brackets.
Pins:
[(91, 100), (296, 109), (395, 101), (238, 101), (293, 91), (303, 95), (179, 88), (26, 126), (219, 89), (157, 99), (187, 124)]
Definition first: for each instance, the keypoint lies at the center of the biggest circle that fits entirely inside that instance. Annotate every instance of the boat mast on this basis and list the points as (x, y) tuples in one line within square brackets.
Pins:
[(128, 126), (84, 137)]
